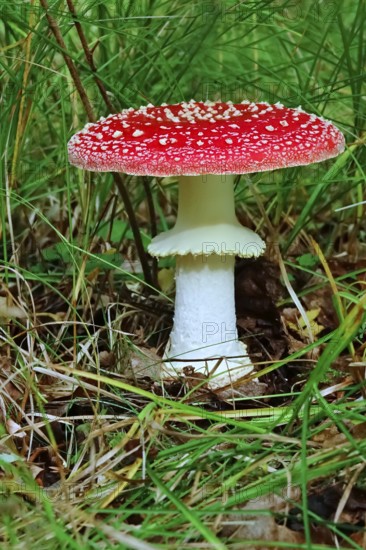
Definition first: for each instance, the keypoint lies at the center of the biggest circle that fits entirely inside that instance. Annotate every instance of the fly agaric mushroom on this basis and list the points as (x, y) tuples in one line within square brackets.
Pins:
[(204, 144)]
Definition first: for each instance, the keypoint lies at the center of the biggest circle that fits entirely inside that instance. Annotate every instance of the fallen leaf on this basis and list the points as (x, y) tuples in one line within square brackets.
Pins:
[(9, 311), (107, 359), (14, 429), (258, 526), (298, 325)]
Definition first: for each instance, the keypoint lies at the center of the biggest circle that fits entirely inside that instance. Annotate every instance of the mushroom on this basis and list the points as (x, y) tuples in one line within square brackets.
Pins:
[(204, 144)]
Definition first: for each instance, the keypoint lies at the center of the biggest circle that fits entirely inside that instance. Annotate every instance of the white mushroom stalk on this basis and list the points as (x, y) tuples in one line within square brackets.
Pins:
[(205, 239), (206, 336)]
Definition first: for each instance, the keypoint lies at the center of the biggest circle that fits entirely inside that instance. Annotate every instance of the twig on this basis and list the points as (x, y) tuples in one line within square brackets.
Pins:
[(134, 227), (153, 225), (69, 63)]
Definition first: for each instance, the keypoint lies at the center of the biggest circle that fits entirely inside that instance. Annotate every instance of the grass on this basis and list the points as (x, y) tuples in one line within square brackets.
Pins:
[(90, 458)]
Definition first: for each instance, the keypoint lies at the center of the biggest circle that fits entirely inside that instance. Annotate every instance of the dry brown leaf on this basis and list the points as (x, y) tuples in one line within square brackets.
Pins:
[(107, 359), (56, 388), (326, 434), (255, 526), (145, 363), (9, 311), (359, 431), (8, 387), (297, 323)]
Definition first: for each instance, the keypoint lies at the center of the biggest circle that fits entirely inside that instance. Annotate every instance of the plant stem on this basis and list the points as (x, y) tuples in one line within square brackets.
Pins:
[(89, 56)]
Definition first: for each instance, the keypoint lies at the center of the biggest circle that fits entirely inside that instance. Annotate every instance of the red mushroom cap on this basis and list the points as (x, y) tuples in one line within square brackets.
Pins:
[(204, 138)]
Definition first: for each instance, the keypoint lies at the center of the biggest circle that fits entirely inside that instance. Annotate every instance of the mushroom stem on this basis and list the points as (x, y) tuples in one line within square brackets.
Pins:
[(205, 239), (205, 323), (206, 200)]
